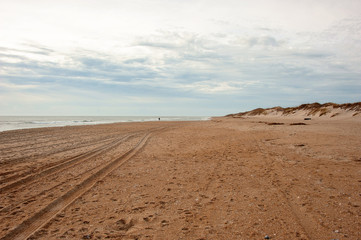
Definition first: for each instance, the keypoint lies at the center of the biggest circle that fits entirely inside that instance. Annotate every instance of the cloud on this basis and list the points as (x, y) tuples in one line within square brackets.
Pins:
[(221, 54), (266, 41), (183, 62), (12, 86), (27, 48), (311, 54)]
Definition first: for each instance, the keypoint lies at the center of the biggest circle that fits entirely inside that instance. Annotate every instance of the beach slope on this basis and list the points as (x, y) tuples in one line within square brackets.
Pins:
[(227, 178)]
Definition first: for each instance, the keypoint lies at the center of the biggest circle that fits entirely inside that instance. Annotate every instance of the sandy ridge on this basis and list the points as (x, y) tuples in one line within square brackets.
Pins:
[(326, 110)]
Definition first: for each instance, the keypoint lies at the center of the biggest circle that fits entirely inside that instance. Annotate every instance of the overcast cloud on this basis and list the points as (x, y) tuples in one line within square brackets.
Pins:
[(168, 57)]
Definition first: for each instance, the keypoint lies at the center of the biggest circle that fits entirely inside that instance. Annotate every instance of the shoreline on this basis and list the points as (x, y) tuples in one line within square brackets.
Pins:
[(9, 123)]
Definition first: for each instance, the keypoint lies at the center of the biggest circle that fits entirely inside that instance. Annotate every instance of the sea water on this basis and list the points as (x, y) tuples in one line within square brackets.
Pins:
[(23, 122)]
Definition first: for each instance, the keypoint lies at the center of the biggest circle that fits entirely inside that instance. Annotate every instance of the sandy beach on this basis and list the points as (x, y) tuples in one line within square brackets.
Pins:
[(227, 178)]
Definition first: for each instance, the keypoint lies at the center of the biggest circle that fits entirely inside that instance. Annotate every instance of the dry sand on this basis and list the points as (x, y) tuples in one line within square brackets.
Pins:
[(221, 179)]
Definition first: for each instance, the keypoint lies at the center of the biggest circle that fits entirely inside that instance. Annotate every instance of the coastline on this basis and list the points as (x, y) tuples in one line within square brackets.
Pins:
[(8, 123), (226, 178)]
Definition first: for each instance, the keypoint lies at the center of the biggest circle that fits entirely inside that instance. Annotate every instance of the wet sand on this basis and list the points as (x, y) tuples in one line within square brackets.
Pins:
[(220, 179)]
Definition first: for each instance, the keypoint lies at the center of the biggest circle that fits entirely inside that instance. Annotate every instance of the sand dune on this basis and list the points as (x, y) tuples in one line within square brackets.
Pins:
[(312, 110)]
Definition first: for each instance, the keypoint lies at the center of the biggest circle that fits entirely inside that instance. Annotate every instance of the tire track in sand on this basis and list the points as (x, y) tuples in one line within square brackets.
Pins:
[(10, 208), (17, 174), (63, 141), (39, 219), (305, 223), (62, 166)]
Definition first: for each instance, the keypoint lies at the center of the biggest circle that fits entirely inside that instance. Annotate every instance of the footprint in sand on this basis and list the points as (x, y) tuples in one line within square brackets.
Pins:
[(124, 225)]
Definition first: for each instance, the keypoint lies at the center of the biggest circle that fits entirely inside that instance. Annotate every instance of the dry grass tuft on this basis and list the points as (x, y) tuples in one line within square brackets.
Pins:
[(257, 111), (324, 111)]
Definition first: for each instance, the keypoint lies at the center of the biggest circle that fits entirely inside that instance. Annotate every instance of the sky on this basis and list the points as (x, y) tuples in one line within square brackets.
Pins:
[(176, 58)]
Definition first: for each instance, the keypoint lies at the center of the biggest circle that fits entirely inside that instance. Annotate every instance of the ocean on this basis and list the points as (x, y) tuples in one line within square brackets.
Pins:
[(22, 122)]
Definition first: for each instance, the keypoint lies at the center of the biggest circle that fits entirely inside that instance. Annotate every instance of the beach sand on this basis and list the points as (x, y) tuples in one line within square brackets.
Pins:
[(227, 178)]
